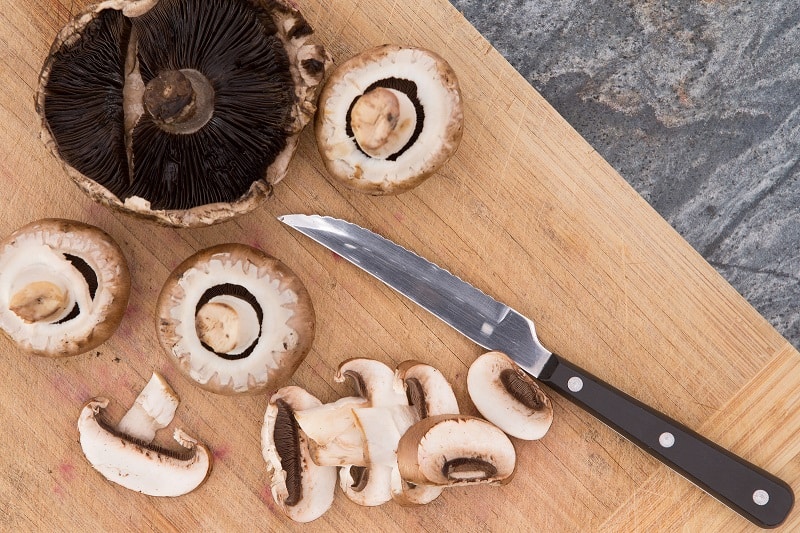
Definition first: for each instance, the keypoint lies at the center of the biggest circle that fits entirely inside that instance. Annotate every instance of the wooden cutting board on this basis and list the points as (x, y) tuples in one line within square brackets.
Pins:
[(526, 210)]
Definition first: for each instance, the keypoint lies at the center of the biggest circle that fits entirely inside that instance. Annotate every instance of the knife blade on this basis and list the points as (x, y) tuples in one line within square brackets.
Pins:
[(749, 490)]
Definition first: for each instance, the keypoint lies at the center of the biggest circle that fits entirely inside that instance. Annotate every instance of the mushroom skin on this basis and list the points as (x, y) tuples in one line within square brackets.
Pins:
[(137, 466), (508, 397), (438, 122), (454, 450), (88, 269), (286, 328), (303, 490), (307, 63)]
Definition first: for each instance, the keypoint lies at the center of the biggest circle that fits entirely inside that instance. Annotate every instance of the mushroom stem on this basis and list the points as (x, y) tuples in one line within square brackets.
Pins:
[(169, 97), (39, 301), (218, 326), (180, 101), (227, 324), (383, 121)]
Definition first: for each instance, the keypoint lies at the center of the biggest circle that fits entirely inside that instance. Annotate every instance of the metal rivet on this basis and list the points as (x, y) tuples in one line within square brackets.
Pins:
[(575, 384), (761, 497), (666, 439)]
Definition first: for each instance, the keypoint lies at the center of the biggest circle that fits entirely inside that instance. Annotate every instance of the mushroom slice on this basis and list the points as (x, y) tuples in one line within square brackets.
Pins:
[(64, 287), (426, 389), (455, 450), (508, 397), (152, 410), (303, 489), (389, 118), (235, 320), (154, 110), (430, 394), (372, 380), (136, 465), (370, 484)]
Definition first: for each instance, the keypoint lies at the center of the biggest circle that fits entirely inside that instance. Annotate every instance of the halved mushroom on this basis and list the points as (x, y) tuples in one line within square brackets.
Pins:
[(508, 397), (181, 111), (389, 118), (235, 320), (303, 489), (64, 287), (453, 450), (136, 464)]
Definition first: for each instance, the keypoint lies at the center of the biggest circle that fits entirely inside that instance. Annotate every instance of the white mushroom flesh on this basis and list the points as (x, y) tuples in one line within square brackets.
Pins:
[(152, 410), (276, 337), (38, 257), (436, 100), (382, 428), (334, 437), (508, 398), (139, 468), (317, 483)]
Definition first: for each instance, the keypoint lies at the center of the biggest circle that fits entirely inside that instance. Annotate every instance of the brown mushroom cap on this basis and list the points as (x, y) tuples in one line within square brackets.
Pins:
[(269, 291), (87, 269), (424, 79), (94, 85)]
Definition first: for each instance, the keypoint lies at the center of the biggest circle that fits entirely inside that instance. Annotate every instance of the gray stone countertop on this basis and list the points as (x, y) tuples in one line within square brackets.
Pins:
[(696, 104)]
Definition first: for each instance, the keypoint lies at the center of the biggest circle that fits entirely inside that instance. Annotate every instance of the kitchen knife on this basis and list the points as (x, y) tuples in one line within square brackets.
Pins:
[(755, 494)]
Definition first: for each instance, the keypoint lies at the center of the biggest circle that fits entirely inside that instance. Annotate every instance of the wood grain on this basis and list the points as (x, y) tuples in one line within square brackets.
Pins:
[(526, 210)]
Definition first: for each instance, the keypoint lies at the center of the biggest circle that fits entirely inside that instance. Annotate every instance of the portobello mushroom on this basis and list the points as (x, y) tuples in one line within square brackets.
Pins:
[(185, 112)]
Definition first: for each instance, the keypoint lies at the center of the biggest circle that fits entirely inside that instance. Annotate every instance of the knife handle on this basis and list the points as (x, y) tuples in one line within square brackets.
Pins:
[(757, 495)]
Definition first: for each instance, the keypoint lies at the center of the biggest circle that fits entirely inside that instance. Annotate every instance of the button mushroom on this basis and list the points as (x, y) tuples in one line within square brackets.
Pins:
[(64, 287), (389, 118), (302, 489), (452, 450), (508, 397), (235, 320), (134, 463), (181, 111)]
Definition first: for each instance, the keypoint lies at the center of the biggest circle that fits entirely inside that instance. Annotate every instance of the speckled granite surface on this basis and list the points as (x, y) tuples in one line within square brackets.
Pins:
[(696, 104)]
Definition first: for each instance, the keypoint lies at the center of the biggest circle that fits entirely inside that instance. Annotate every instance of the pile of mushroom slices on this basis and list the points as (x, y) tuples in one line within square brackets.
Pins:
[(235, 320), (399, 437), (125, 453), (64, 287), (185, 112)]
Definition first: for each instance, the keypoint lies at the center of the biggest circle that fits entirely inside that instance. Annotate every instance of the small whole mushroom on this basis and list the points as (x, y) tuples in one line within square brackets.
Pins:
[(235, 320), (185, 112), (389, 118), (64, 287)]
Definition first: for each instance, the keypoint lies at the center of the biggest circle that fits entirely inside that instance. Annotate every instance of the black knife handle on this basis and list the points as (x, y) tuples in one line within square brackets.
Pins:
[(755, 494)]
